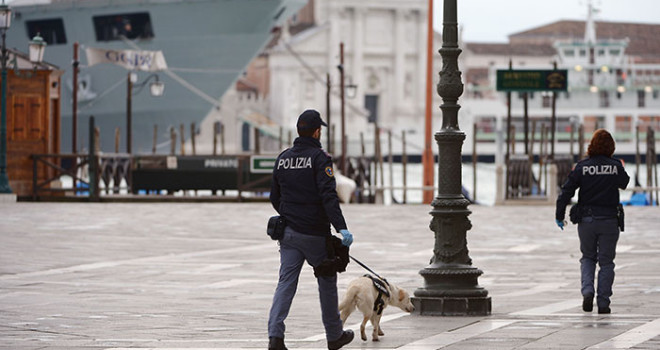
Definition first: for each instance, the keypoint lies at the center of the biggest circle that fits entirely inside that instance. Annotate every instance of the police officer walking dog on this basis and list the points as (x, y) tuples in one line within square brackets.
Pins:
[(304, 193), (598, 215)]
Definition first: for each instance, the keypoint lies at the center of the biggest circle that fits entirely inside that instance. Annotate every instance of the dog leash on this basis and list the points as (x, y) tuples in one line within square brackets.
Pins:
[(366, 267)]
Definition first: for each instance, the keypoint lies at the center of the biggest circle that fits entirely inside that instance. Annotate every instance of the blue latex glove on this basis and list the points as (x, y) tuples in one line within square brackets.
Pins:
[(348, 237), (560, 224)]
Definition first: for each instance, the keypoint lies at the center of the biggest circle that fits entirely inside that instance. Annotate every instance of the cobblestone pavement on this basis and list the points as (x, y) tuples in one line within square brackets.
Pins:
[(201, 276)]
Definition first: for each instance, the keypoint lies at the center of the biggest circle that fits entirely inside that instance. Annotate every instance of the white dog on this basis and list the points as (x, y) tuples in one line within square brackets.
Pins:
[(363, 294)]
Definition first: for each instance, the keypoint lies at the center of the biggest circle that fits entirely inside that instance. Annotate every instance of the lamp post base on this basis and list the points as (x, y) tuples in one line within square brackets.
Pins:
[(451, 290)]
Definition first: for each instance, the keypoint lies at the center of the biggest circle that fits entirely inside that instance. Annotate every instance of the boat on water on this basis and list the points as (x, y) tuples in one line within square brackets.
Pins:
[(206, 44)]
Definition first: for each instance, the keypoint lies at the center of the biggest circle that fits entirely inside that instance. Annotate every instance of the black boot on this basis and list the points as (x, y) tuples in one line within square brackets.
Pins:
[(275, 343), (588, 303), (346, 337)]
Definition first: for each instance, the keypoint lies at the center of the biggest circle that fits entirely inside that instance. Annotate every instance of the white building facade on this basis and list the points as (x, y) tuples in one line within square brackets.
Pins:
[(384, 55)]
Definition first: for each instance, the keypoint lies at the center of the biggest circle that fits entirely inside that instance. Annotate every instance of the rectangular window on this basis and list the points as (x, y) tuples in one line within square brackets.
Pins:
[(371, 104), (601, 52), (604, 99), (641, 98), (486, 129), (583, 53), (547, 99), (569, 53), (593, 122), (615, 52), (129, 25), (623, 128), (52, 30)]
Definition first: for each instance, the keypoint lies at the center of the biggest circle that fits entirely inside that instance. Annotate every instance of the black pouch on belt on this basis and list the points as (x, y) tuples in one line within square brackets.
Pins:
[(336, 260), (275, 229), (575, 215)]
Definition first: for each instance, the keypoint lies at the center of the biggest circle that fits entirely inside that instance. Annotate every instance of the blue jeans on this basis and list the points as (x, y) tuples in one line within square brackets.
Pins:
[(598, 238), (295, 248)]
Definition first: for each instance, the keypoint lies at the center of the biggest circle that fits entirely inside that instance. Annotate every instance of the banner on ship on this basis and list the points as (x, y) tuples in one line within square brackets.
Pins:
[(148, 61)]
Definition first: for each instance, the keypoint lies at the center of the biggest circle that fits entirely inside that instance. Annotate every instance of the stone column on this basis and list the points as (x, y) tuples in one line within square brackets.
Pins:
[(450, 281)]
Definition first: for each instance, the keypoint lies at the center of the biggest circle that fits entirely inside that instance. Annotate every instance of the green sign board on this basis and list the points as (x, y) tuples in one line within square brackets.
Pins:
[(262, 164), (532, 80)]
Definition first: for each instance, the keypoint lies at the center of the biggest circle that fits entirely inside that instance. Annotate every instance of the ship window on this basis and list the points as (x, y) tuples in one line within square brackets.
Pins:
[(583, 53), (52, 30), (615, 52), (569, 53), (601, 52), (129, 25)]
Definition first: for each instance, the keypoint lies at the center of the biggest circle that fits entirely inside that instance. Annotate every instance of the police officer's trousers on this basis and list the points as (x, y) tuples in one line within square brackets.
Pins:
[(598, 238), (295, 248)]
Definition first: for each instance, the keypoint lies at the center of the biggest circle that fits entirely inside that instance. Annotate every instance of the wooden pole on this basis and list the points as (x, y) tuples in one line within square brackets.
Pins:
[(580, 142), (526, 121), (117, 139), (427, 155), (155, 140), (192, 138), (508, 121), (327, 111), (222, 139), (216, 126), (74, 109), (513, 138), (343, 108), (390, 161), (474, 162), (257, 141), (638, 158), (380, 158), (542, 151), (183, 140), (553, 123), (281, 138), (404, 164), (172, 141), (650, 143), (333, 136), (572, 141), (129, 112)]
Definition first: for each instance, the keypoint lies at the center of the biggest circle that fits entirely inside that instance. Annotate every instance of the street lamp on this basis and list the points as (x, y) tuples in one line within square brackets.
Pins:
[(5, 22), (450, 281), (156, 88), (37, 47)]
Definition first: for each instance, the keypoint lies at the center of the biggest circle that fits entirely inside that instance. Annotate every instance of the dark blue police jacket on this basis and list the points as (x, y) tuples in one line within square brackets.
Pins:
[(304, 189), (599, 179)]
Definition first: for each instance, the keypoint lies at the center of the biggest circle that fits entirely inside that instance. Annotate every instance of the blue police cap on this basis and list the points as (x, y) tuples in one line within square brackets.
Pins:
[(310, 119)]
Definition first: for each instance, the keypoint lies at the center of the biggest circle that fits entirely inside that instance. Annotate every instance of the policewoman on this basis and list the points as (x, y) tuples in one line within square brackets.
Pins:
[(304, 193), (599, 178)]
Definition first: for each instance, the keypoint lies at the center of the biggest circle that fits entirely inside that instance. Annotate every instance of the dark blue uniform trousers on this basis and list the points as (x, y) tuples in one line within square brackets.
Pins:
[(295, 248), (598, 238)]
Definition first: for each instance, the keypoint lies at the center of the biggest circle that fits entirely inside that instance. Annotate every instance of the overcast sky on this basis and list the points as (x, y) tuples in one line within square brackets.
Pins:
[(494, 20)]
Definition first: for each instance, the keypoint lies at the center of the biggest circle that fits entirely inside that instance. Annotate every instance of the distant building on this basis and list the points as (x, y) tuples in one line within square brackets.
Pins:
[(384, 55), (614, 77)]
